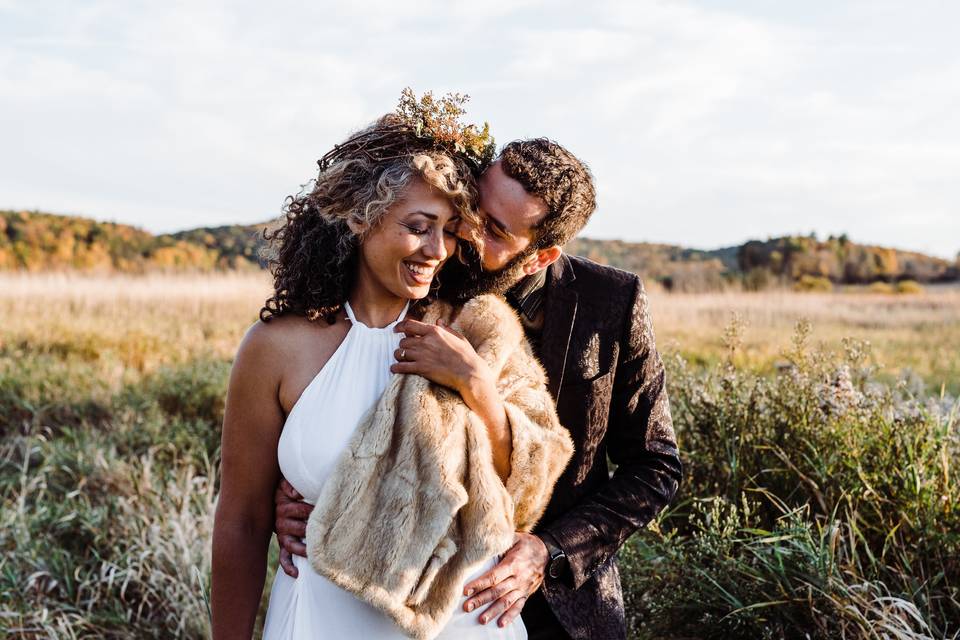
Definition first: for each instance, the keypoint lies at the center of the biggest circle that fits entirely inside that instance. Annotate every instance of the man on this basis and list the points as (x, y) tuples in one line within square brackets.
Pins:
[(591, 328)]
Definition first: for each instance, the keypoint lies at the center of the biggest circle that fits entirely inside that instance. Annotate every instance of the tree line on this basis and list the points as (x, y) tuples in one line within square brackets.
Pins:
[(37, 241)]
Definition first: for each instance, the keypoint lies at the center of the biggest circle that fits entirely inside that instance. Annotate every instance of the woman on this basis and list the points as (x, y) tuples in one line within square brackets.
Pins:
[(356, 255)]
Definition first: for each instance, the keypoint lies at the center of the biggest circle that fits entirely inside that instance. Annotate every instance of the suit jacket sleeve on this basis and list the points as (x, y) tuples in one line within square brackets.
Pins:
[(640, 441)]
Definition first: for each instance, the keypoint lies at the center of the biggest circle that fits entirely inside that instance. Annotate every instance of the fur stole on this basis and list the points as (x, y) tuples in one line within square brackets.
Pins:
[(414, 505)]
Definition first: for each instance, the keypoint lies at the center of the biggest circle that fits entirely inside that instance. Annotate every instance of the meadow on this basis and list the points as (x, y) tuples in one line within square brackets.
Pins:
[(819, 433)]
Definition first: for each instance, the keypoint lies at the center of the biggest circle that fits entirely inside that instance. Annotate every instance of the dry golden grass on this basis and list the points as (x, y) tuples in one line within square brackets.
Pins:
[(111, 398), (149, 321), (916, 333), (139, 322)]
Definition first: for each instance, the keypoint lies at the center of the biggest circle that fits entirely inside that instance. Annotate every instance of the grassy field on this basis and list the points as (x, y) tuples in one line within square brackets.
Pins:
[(909, 336), (820, 498)]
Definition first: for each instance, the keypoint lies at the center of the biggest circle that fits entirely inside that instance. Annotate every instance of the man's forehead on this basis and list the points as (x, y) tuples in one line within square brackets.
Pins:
[(505, 199)]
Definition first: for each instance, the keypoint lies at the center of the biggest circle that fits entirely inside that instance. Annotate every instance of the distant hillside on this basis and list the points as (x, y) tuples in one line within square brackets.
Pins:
[(842, 261), (761, 263), (35, 241), (674, 267), (236, 246)]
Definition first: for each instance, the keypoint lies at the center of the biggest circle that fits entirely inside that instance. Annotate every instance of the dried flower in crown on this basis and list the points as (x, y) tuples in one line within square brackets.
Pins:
[(439, 120), (419, 124)]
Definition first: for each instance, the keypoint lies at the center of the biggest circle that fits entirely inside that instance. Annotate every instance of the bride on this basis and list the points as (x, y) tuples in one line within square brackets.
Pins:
[(459, 463)]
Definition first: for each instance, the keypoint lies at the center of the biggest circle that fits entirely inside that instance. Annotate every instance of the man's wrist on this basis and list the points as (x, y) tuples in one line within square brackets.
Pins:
[(557, 563)]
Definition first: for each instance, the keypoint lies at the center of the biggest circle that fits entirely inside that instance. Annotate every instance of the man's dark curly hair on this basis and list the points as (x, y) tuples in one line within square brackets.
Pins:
[(548, 171), (313, 253)]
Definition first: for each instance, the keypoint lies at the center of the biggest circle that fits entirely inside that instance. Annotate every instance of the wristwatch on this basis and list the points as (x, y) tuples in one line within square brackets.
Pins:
[(557, 564)]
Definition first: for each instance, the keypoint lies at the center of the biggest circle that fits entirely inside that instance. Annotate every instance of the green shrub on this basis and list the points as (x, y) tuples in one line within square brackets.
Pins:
[(728, 579), (194, 390), (100, 545), (758, 279), (828, 493), (813, 283), (37, 389), (909, 287), (881, 287)]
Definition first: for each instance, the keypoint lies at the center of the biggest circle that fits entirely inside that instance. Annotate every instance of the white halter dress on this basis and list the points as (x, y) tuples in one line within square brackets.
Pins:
[(317, 429)]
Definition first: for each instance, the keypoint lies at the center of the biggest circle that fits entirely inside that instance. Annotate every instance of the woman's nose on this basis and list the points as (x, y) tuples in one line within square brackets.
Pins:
[(435, 247)]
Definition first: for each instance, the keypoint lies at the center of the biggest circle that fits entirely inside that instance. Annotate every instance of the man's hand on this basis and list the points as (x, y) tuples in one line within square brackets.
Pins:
[(509, 584), (440, 355), (290, 525)]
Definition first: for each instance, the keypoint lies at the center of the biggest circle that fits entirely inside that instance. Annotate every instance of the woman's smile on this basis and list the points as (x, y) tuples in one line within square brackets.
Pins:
[(420, 273)]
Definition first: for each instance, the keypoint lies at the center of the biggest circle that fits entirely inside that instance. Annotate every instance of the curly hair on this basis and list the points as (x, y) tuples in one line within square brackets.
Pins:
[(549, 171), (313, 254)]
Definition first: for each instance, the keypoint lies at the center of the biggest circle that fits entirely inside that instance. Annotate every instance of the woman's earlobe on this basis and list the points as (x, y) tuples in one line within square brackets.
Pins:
[(357, 226)]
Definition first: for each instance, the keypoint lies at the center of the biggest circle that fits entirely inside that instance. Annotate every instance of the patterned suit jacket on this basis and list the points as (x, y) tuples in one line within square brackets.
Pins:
[(608, 380)]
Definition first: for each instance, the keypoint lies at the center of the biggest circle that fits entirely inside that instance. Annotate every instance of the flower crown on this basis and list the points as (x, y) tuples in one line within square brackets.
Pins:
[(439, 120), (420, 124)]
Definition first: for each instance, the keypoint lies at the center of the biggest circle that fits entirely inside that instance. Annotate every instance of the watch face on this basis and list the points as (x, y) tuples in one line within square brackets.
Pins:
[(555, 565)]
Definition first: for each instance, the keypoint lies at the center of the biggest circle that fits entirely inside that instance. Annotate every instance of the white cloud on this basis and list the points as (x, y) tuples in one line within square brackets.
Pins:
[(704, 126)]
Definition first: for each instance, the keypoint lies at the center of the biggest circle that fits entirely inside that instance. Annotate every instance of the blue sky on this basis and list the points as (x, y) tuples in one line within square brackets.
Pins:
[(705, 123)]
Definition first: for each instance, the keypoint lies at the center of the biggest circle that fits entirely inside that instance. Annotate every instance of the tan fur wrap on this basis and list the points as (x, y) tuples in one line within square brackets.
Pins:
[(414, 504)]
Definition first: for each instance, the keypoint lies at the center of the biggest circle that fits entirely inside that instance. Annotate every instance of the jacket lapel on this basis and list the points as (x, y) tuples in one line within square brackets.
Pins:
[(559, 316)]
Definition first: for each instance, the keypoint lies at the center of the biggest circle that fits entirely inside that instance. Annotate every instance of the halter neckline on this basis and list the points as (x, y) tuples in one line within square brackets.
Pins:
[(357, 323)]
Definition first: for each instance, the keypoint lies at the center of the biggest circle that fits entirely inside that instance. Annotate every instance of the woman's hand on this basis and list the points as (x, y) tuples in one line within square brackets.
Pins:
[(445, 357), (441, 355)]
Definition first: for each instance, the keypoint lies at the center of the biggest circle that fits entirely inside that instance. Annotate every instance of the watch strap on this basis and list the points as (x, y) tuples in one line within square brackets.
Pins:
[(557, 563)]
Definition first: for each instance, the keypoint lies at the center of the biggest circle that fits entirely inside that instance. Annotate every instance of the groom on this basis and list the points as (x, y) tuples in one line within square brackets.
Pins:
[(590, 326)]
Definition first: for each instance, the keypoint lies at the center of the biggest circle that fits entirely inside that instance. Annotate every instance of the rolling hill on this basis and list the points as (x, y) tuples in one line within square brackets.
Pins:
[(37, 241)]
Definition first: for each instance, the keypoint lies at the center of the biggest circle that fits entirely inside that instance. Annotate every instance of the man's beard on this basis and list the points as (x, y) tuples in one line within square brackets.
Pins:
[(463, 276)]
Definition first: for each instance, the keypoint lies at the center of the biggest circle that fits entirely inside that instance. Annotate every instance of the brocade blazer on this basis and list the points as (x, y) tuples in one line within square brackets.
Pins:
[(608, 380)]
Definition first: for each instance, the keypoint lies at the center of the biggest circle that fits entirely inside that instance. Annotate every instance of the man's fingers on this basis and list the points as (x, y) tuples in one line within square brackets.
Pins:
[(499, 573), (293, 545), (291, 527), (293, 510), (511, 614), (286, 563), (280, 496), (490, 594), (502, 604), (289, 491)]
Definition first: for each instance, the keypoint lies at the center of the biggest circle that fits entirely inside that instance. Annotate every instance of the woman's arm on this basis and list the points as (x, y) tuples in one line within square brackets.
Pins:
[(445, 357), (541, 446), (478, 388), (243, 524)]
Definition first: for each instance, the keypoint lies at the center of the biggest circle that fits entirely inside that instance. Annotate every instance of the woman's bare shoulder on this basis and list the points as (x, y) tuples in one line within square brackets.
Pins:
[(288, 335)]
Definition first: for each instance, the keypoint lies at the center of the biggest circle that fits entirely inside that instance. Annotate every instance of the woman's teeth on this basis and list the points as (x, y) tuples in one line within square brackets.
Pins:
[(421, 274)]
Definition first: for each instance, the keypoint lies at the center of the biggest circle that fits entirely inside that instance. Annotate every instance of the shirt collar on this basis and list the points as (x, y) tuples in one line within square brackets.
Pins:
[(528, 295)]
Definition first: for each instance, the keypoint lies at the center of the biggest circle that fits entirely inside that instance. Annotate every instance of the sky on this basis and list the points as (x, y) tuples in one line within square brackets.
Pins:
[(704, 123)]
